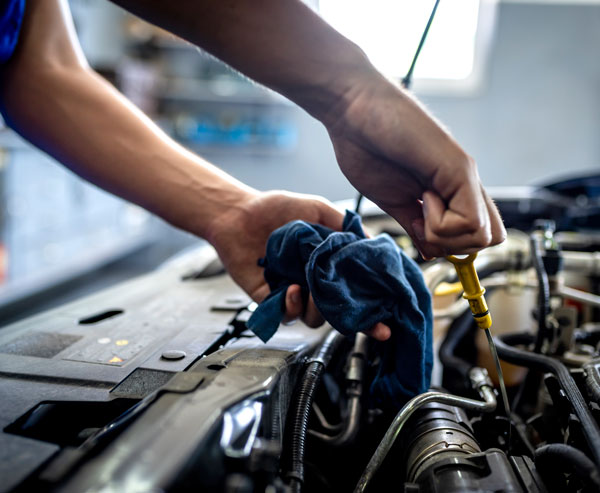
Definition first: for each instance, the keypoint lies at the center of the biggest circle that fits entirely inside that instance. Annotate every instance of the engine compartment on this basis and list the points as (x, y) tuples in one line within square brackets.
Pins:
[(157, 385), (451, 440)]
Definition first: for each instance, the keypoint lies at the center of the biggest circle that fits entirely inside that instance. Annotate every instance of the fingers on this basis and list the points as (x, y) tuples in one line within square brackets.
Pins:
[(381, 332), (469, 223), (411, 218), (456, 229), (497, 226), (311, 208), (312, 318), (442, 221), (330, 216), (260, 293), (294, 308), (293, 304)]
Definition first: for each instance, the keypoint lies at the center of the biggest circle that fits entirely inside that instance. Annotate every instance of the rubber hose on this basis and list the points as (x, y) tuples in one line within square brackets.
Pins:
[(300, 424), (543, 292), (302, 409), (560, 457), (543, 363), (456, 332)]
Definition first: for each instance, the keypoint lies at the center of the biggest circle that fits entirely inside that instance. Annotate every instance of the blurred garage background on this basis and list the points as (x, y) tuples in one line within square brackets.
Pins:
[(516, 82)]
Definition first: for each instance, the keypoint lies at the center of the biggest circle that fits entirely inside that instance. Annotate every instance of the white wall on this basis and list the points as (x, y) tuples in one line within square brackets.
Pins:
[(537, 114)]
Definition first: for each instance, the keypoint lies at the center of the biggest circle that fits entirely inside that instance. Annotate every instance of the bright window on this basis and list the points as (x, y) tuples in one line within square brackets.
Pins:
[(389, 32)]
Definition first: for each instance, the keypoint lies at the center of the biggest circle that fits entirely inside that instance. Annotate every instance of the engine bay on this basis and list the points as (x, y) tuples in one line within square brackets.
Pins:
[(157, 385)]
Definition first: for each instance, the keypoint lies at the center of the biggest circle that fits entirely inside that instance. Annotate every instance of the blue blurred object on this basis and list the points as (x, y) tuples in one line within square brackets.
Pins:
[(241, 131), (355, 282), (11, 17)]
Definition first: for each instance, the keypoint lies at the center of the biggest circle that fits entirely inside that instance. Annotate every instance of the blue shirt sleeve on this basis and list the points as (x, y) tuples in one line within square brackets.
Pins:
[(11, 18)]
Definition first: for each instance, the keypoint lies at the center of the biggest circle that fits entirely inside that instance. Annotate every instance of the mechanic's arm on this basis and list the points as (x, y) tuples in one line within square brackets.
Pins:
[(386, 144), (51, 97)]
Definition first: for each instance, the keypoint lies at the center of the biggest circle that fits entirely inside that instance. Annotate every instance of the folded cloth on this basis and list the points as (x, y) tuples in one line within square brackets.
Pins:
[(355, 283)]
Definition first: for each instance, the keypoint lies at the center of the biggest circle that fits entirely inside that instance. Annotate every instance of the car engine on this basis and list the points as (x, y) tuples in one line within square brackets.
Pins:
[(157, 385)]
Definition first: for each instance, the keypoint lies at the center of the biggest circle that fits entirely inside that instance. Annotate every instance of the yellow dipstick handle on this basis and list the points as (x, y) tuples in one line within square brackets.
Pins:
[(467, 275)]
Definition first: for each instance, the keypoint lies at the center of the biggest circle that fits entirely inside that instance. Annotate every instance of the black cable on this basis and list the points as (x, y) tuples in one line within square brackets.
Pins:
[(527, 390), (407, 79), (543, 292), (531, 380), (559, 458), (303, 405), (521, 357), (305, 395), (359, 200)]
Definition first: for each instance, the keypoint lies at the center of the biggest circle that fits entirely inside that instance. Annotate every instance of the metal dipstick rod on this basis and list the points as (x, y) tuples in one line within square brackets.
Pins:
[(473, 293)]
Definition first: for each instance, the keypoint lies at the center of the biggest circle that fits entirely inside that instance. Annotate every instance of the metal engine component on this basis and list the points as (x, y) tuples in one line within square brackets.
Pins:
[(481, 383), (592, 378), (444, 456), (440, 431), (474, 473)]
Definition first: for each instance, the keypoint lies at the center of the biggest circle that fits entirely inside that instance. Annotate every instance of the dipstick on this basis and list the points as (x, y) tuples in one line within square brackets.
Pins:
[(473, 293)]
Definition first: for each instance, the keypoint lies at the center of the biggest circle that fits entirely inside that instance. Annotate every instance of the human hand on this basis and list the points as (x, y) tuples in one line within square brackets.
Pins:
[(240, 236), (398, 156)]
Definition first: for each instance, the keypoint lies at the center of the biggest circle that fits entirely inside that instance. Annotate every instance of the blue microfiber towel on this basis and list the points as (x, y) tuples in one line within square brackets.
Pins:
[(355, 283)]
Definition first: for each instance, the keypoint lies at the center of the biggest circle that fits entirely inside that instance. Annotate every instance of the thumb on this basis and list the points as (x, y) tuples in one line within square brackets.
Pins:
[(329, 216)]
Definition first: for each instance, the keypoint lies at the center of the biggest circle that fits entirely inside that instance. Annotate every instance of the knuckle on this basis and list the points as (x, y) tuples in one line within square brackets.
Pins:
[(477, 224), (482, 239), (434, 229), (470, 165), (499, 236)]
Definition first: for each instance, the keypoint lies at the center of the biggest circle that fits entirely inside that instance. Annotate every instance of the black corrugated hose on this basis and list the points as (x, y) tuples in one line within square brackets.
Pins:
[(558, 457), (303, 405), (543, 291), (543, 363)]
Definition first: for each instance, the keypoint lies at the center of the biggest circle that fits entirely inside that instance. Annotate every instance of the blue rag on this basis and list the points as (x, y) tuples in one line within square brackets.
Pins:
[(355, 283), (11, 16)]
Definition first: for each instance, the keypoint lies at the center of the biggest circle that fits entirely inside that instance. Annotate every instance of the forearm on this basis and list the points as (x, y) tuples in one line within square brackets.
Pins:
[(82, 121), (279, 43)]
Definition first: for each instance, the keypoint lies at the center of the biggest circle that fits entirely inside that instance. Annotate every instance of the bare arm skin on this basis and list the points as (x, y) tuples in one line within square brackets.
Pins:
[(51, 97), (386, 143)]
